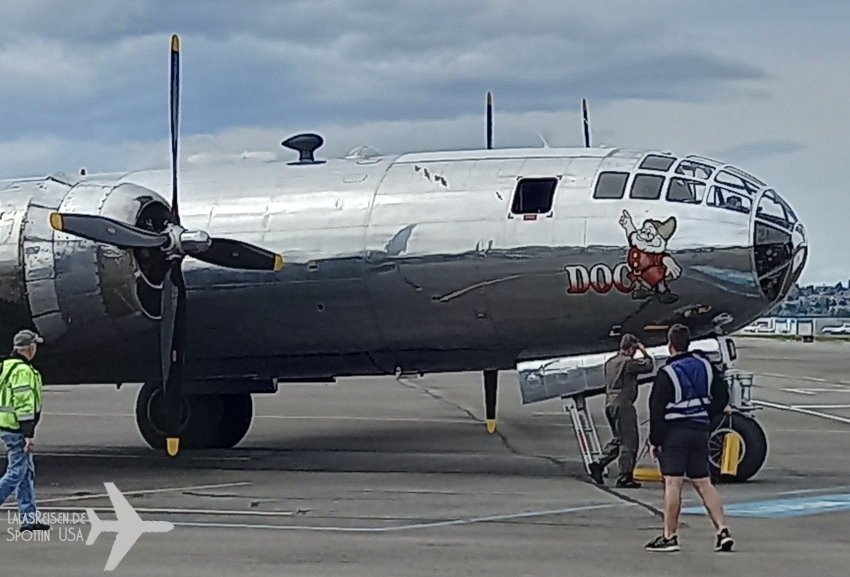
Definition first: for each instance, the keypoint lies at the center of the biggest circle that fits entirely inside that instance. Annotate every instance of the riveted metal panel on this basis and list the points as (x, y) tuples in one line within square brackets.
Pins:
[(38, 260), (51, 326), (42, 297)]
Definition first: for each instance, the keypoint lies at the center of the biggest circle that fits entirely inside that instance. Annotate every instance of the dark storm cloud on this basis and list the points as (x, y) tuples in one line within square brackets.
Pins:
[(265, 63)]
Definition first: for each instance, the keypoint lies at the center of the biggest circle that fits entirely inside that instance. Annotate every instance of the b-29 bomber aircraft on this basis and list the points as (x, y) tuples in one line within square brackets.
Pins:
[(312, 269)]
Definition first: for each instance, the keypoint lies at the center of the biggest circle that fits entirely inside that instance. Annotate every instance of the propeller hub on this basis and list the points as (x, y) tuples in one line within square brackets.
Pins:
[(194, 241), (182, 242)]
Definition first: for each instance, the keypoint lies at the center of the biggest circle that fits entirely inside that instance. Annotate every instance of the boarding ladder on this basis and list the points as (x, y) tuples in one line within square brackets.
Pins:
[(586, 435)]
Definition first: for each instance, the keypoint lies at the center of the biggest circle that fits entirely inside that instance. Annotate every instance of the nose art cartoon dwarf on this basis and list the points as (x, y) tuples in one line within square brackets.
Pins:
[(649, 263)]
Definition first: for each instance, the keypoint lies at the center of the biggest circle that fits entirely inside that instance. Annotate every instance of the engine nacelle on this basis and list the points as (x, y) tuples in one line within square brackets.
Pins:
[(71, 290)]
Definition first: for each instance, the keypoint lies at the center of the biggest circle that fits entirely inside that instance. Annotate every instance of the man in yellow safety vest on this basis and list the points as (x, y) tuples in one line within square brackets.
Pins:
[(20, 411)]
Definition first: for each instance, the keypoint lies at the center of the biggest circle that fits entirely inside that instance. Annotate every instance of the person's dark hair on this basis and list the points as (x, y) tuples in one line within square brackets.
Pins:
[(628, 341), (679, 336)]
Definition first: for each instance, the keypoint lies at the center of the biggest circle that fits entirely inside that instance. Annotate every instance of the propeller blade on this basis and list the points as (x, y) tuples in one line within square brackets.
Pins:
[(106, 230), (166, 325), (237, 254), (585, 122), (174, 383), (175, 112)]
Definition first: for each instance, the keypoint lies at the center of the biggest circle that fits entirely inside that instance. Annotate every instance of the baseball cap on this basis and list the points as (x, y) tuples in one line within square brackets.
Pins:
[(26, 337)]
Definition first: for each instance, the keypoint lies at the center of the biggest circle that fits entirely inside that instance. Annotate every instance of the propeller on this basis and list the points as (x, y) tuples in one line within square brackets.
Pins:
[(585, 121), (175, 243)]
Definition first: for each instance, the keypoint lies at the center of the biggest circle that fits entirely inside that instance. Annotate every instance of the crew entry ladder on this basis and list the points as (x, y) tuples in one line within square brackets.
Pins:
[(586, 435)]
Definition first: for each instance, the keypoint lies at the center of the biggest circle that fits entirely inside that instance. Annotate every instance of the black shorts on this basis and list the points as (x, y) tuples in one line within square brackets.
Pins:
[(685, 452)]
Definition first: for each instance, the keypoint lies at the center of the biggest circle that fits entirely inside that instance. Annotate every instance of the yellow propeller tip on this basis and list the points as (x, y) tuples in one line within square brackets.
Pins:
[(175, 43), (278, 262), (172, 446), (56, 220), (491, 425)]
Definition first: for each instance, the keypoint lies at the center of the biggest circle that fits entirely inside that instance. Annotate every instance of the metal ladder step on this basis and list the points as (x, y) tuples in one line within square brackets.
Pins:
[(586, 434)]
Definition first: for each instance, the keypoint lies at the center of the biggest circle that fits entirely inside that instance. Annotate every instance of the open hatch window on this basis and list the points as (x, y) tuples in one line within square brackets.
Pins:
[(534, 195)]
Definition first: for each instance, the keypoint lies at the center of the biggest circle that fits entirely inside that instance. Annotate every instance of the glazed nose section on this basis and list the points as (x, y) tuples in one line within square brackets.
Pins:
[(780, 246)]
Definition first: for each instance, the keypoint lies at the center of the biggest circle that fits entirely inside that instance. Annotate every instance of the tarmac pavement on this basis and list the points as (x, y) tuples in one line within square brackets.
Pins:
[(391, 477)]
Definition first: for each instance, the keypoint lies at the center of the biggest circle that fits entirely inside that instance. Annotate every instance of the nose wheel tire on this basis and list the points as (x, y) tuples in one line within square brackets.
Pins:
[(753, 451)]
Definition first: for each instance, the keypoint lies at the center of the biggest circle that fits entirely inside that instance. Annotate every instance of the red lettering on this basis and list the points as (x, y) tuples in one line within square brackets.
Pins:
[(577, 279), (601, 278), (621, 280)]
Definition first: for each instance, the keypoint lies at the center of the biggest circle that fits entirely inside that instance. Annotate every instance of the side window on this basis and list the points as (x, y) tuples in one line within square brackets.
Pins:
[(683, 190), (729, 199), (736, 182), (656, 162), (694, 169), (611, 185), (534, 195), (770, 208), (647, 186)]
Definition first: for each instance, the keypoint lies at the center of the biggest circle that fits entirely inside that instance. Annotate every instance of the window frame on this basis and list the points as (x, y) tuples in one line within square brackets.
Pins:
[(742, 195), (650, 157), (625, 186), (643, 175), (517, 196), (687, 181)]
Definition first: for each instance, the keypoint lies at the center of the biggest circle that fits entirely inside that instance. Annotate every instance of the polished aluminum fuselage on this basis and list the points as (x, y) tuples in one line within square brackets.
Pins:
[(413, 263)]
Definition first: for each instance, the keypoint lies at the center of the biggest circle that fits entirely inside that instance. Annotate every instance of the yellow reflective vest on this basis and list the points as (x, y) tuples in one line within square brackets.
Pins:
[(20, 396)]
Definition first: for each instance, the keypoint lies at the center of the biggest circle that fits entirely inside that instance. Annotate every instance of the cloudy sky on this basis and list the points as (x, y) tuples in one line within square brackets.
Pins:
[(764, 84)]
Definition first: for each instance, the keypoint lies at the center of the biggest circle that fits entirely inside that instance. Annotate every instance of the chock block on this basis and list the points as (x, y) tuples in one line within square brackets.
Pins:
[(647, 473), (730, 454)]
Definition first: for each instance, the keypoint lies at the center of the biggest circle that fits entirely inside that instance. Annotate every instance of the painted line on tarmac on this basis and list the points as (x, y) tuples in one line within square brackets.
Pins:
[(776, 508), (370, 419), (812, 391), (137, 492), (821, 490), (179, 511), (120, 456), (803, 411), (840, 383), (430, 525), (297, 418), (821, 407)]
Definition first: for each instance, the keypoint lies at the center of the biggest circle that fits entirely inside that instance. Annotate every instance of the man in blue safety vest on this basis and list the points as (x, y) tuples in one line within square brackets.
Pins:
[(688, 392), (20, 410)]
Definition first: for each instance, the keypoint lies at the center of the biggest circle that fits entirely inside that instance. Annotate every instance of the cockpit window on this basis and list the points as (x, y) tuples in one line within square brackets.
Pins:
[(683, 190), (656, 162), (647, 186), (694, 169), (729, 199), (534, 195), (773, 209), (611, 185), (735, 182)]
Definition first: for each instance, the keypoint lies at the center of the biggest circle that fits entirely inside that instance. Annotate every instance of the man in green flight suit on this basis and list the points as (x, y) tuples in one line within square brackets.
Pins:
[(20, 411), (621, 391)]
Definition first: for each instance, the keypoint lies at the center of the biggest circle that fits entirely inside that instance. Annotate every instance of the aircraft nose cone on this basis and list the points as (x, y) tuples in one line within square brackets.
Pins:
[(780, 246)]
